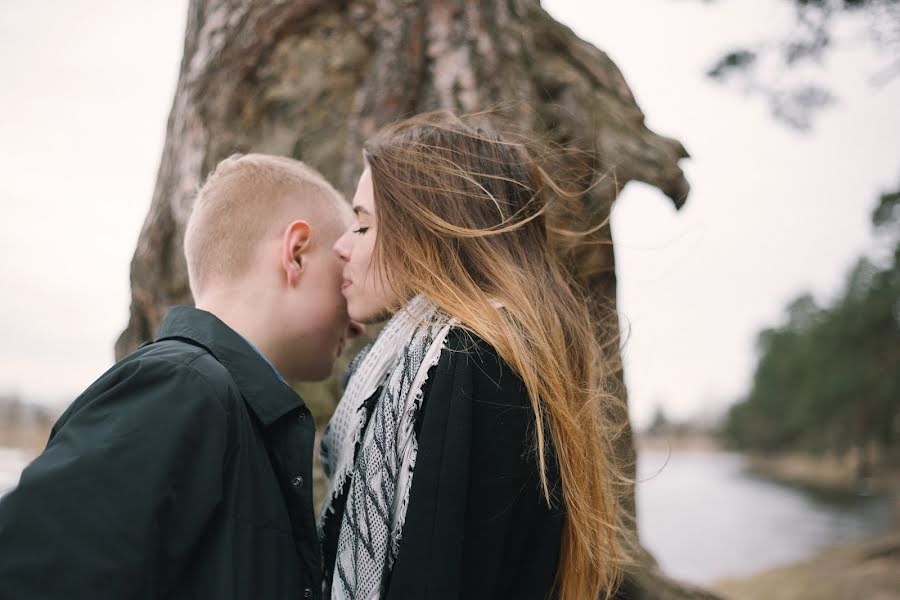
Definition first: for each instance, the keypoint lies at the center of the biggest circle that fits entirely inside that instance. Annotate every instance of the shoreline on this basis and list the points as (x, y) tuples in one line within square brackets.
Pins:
[(868, 569), (32, 439), (827, 474), (677, 443)]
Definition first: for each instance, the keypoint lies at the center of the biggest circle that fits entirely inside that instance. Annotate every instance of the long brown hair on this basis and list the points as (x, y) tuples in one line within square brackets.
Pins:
[(463, 218)]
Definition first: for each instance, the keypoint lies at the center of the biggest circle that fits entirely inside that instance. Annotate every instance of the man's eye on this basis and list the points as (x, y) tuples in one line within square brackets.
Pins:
[(361, 230)]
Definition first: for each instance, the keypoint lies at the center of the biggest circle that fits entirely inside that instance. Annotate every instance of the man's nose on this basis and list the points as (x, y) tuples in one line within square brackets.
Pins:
[(355, 329)]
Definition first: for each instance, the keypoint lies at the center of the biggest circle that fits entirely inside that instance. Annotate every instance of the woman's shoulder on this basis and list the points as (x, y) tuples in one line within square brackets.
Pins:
[(463, 340), (466, 353)]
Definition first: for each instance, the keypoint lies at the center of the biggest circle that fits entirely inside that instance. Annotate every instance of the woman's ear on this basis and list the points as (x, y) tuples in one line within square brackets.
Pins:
[(295, 244)]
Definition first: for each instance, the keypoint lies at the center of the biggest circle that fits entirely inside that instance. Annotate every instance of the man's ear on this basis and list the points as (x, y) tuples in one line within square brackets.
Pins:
[(295, 244)]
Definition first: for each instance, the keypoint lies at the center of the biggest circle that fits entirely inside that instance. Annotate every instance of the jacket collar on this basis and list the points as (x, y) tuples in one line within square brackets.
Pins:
[(264, 391)]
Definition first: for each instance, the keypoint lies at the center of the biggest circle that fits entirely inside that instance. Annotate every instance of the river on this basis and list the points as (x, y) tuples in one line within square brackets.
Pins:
[(704, 517)]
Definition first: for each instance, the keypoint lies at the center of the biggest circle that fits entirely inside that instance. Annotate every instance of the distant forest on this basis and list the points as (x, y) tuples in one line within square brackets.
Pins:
[(828, 380)]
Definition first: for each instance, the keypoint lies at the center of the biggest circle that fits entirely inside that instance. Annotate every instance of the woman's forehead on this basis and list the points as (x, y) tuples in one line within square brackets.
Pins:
[(364, 200)]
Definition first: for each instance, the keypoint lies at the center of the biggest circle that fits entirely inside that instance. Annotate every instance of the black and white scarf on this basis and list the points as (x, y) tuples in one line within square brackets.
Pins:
[(378, 481)]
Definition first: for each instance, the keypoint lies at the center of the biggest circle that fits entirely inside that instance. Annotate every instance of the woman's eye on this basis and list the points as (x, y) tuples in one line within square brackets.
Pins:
[(361, 230)]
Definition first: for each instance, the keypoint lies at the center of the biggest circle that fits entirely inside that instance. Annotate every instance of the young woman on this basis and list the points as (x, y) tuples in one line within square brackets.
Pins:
[(469, 456)]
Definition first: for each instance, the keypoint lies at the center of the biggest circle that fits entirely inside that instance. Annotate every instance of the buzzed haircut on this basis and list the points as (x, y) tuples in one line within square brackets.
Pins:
[(247, 198)]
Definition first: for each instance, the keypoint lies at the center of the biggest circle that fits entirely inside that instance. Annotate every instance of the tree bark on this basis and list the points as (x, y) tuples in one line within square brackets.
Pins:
[(312, 79)]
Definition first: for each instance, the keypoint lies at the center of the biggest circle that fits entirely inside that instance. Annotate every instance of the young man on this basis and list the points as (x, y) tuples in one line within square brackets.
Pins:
[(185, 470)]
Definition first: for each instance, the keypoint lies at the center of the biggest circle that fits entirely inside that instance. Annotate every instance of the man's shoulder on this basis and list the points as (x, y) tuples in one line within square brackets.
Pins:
[(158, 378), (168, 363), (184, 357)]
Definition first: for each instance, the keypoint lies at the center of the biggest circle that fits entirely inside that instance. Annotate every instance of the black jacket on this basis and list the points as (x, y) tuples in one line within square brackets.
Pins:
[(477, 526), (183, 472)]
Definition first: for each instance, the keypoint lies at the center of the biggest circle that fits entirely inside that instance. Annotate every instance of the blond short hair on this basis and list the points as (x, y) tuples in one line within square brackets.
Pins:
[(245, 199)]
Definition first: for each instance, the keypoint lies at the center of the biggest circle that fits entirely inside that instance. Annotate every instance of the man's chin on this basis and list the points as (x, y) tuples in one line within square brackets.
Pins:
[(372, 317), (307, 375), (313, 378)]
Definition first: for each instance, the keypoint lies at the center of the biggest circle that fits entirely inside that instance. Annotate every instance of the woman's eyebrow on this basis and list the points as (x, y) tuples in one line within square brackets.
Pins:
[(359, 209)]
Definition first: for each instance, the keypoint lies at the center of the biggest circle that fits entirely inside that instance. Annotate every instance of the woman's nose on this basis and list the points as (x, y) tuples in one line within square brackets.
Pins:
[(340, 248)]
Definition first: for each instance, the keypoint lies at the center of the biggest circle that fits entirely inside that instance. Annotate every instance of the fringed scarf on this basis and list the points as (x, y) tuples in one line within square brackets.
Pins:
[(378, 480)]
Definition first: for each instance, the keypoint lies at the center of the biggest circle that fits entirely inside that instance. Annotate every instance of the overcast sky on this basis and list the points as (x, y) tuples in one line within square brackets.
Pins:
[(88, 86)]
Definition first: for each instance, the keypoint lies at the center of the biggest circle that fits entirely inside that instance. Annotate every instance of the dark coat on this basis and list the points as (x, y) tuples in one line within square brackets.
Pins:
[(183, 472), (477, 525)]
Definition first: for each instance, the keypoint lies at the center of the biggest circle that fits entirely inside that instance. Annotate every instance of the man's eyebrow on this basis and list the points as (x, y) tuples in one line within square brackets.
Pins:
[(359, 209)]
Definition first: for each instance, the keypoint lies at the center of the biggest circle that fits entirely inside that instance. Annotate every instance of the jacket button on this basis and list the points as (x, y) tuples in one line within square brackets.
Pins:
[(301, 417), (297, 481), (307, 593)]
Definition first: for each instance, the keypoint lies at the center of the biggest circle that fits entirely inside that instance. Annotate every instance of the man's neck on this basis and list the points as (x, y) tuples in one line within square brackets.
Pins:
[(242, 315)]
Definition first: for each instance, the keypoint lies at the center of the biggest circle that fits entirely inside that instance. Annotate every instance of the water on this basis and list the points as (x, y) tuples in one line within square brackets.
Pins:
[(704, 517), (12, 461)]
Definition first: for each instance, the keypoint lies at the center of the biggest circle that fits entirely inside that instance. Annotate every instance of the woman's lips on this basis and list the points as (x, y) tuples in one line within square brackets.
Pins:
[(347, 283)]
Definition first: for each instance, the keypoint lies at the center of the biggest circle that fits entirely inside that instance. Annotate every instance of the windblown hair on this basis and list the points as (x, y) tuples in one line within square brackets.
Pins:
[(244, 199), (463, 218)]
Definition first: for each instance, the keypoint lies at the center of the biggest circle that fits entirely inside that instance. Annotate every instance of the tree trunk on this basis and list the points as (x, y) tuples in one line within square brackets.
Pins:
[(312, 79)]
